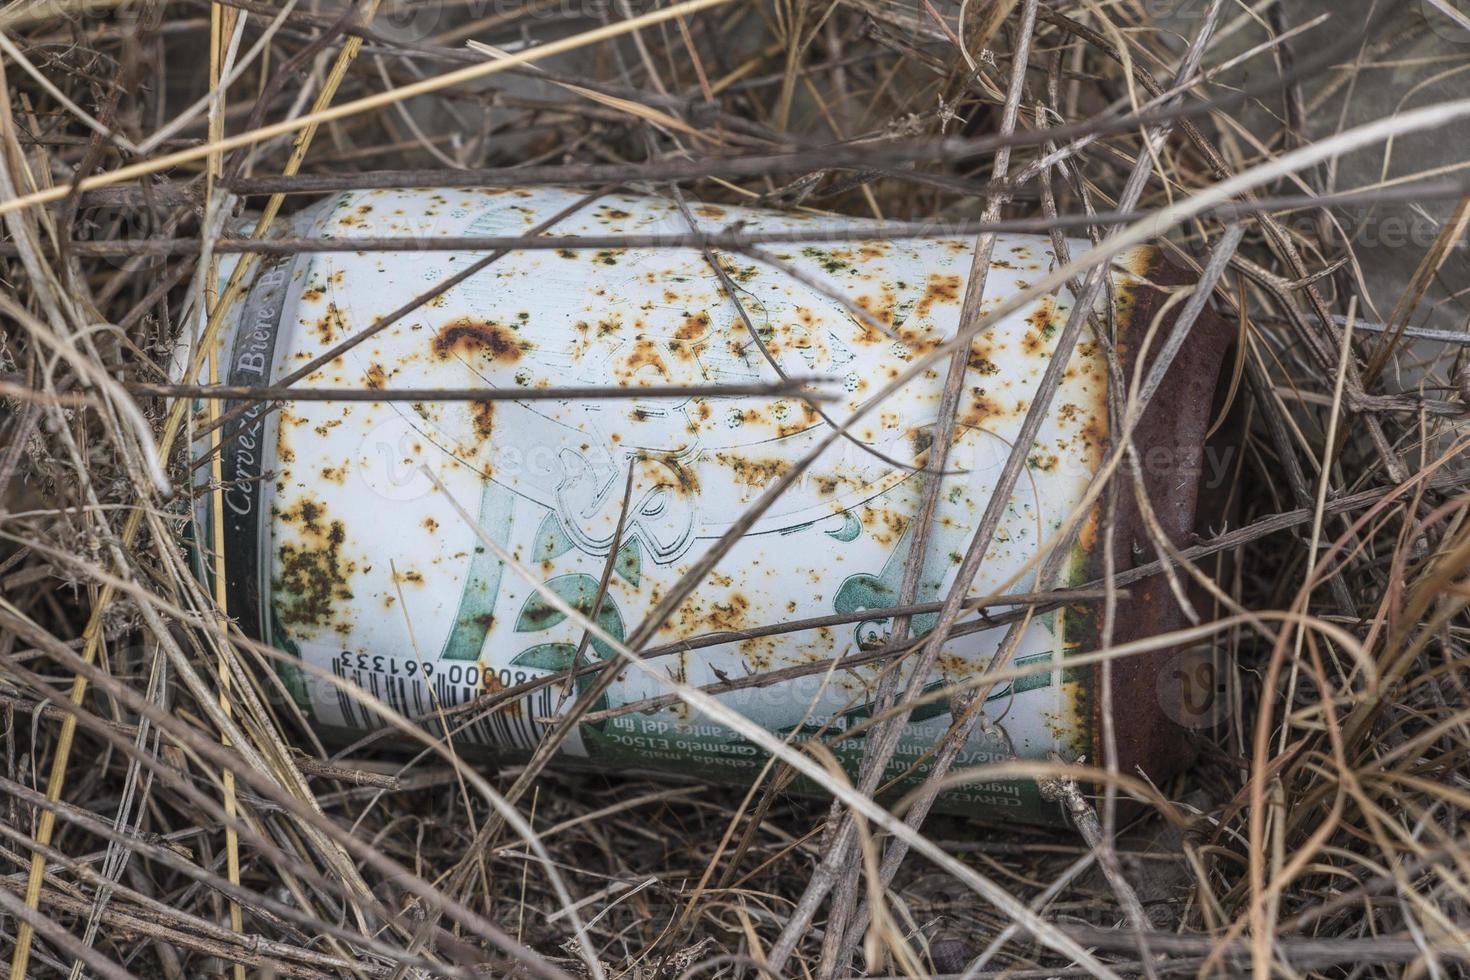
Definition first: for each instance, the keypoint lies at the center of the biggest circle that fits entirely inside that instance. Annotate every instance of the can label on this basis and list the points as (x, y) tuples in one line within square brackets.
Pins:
[(347, 554), (247, 453)]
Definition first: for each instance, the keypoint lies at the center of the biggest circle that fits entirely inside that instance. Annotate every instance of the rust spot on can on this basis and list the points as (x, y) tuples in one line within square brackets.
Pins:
[(693, 327), (938, 289), (465, 337), (646, 355), (483, 414), (312, 573)]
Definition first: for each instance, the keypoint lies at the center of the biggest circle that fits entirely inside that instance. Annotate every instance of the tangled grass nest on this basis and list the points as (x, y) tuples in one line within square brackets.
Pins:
[(1320, 832)]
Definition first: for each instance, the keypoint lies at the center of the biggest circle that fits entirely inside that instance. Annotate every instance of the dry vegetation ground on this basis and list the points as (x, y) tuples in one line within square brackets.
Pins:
[(1322, 832)]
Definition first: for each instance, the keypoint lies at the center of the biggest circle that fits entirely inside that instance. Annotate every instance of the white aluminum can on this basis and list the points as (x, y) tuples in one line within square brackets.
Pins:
[(340, 550)]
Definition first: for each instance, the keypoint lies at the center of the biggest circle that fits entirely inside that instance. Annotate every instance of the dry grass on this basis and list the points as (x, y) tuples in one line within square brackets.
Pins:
[(185, 828)]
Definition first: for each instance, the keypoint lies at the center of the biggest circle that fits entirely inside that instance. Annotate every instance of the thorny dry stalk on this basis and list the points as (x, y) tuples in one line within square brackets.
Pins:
[(187, 821)]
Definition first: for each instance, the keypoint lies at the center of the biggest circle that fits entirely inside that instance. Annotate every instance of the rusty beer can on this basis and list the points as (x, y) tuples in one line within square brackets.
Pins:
[(341, 550)]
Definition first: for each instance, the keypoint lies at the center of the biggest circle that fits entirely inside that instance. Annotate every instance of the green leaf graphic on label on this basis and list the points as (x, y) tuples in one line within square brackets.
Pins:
[(580, 592), (551, 540), (866, 592), (558, 657), (862, 592), (850, 529), (630, 562), (476, 613), (546, 656), (876, 593)]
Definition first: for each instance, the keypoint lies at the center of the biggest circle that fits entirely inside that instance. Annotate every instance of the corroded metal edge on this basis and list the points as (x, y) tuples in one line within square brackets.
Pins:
[(1173, 429)]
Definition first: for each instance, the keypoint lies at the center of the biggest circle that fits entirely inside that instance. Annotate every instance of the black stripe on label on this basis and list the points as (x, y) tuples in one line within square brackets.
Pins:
[(248, 444)]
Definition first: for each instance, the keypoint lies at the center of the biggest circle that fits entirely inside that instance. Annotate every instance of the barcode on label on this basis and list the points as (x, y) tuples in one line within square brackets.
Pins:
[(511, 725)]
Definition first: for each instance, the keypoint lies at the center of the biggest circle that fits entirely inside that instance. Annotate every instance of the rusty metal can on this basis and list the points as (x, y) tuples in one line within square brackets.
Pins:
[(341, 550)]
